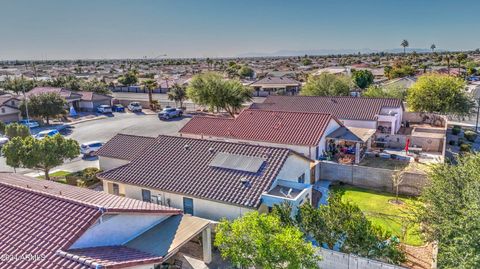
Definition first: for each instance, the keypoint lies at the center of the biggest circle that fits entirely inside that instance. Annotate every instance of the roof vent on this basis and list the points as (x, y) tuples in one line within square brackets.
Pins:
[(186, 146), (211, 150), (245, 181), (28, 186), (45, 186), (333, 100)]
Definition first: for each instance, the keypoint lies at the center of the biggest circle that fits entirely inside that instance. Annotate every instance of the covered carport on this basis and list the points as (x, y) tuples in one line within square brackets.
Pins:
[(166, 238)]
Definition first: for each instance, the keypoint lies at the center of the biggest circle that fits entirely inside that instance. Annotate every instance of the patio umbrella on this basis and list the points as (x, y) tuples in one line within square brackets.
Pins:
[(406, 145)]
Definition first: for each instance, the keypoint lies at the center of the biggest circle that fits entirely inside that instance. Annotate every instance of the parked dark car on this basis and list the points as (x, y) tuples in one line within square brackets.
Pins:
[(118, 108)]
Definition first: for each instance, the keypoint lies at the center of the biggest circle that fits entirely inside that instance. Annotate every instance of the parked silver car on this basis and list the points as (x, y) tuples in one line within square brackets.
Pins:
[(170, 112)]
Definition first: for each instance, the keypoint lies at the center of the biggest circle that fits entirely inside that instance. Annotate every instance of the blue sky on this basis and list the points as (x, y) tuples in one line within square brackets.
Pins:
[(67, 29)]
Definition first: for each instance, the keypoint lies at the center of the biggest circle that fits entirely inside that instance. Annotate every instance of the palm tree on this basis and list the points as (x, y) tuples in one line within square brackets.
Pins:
[(447, 58), (433, 47), (404, 44), (178, 94), (150, 85)]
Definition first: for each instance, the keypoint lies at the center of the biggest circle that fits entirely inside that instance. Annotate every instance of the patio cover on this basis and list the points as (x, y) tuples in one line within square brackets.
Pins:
[(167, 237), (352, 134)]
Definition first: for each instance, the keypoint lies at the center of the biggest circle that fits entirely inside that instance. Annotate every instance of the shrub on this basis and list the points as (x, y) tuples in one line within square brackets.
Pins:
[(470, 135), (465, 147), (456, 130), (451, 142)]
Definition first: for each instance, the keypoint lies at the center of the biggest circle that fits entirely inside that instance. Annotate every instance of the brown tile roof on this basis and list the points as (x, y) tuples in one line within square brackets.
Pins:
[(65, 93), (110, 257), (270, 80), (125, 147), (91, 96), (352, 108), (182, 165), (43, 218), (108, 202), (291, 128), (38, 224)]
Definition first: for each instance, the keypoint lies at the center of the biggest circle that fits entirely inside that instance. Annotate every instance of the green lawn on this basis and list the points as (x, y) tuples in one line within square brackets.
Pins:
[(381, 212), (60, 175)]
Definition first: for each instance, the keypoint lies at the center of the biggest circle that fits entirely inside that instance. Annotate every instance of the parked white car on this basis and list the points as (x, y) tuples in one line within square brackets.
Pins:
[(29, 123), (104, 109), (43, 134), (89, 148), (135, 107)]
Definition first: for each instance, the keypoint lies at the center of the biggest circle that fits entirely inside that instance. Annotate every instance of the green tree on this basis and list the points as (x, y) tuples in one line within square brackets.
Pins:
[(362, 78), (13, 151), (42, 154), (471, 68), (177, 93), (18, 84), (376, 91), (261, 241), (441, 94), (2, 127), (246, 71), (461, 57), (45, 105), (130, 78), (433, 47), (451, 212), (344, 225), (96, 86), (210, 89), (68, 82), (306, 61), (404, 44), (17, 130), (327, 85), (150, 85)]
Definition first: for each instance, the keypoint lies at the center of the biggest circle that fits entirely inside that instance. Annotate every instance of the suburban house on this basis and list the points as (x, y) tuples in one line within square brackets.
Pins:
[(383, 114), (382, 121), (303, 132), (273, 85), (206, 178), (45, 224), (80, 101), (403, 83), (9, 108)]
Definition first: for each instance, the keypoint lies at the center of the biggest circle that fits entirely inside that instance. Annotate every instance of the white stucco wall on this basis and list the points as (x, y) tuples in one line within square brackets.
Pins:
[(201, 207), (8, 110), (117, 230), (107, 163), (398, 117), (332, 126), (294, 167)]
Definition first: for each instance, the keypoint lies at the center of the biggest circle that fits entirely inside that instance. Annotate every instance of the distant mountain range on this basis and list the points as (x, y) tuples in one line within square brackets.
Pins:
[(328, 52)]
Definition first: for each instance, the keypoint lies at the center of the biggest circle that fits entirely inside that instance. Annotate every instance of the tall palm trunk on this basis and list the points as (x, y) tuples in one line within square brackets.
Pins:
[(150, 98)]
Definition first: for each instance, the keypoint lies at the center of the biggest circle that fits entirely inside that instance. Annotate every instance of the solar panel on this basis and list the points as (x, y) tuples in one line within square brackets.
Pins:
[(237, 162)]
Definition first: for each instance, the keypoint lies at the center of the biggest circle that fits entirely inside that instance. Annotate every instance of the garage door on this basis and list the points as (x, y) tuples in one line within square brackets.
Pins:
[(10, 117)]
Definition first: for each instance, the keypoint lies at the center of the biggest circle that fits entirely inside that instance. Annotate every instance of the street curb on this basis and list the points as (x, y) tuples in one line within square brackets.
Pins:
[(86, 120)]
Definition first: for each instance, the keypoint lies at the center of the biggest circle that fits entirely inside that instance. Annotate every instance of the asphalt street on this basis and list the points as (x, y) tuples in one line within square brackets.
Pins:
[(104, 129)]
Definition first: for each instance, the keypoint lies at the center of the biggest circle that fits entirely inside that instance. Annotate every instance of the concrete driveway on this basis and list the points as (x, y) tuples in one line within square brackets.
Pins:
[(106, 128)]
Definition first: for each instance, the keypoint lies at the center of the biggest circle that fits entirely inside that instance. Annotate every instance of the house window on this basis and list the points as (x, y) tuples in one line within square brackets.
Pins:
[(116, 189), (301, 179), (3, 110), (188, 205), (146, 195), (156, 199), (12, 103)]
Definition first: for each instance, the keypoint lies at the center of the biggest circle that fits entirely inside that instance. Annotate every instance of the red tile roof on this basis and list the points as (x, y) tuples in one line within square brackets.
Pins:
[(108, 202), (292, 128), (182, 165), (125, 147), (351, 108), (41, 218), (110, 257), (65, 93)]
